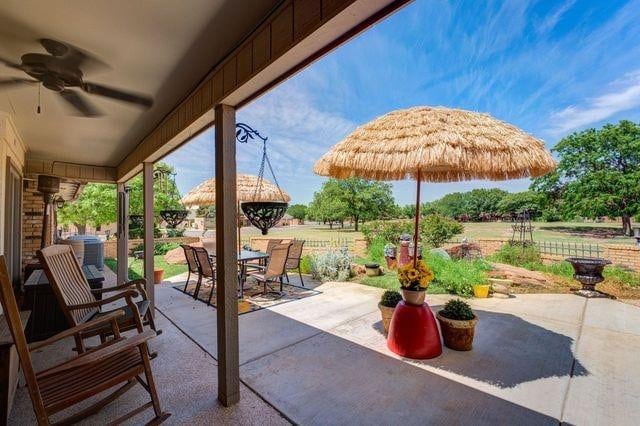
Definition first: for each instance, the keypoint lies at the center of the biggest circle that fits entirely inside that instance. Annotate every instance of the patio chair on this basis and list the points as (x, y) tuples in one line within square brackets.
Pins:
[(206, 269), (257, 265), (275, 269), (192, 264), (293, 262), (119, 362), (78, 301)]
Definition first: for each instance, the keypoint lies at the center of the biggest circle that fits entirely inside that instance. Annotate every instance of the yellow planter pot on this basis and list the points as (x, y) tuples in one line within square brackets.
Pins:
[(481, 291)]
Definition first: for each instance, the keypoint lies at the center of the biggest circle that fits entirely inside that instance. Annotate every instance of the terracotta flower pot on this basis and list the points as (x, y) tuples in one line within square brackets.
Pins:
[(457, 334), (387, 314), (157, 276), (413, 297)]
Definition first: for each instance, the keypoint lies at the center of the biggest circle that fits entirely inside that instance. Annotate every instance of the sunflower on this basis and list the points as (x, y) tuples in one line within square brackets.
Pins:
[(413, 274)]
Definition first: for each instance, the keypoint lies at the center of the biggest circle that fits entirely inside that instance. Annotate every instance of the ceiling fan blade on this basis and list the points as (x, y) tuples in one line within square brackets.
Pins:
[(10, 64), (80, 104), (8, 82), (96, 89)]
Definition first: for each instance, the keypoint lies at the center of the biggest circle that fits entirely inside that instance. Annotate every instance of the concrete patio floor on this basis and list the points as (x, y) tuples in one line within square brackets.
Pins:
[(537, 359)]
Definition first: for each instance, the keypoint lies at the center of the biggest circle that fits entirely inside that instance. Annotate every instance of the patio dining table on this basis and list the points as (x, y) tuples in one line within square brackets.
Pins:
[(244, 257)]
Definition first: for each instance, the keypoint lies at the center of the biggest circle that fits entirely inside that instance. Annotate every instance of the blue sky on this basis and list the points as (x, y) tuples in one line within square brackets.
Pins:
[(549, 67)]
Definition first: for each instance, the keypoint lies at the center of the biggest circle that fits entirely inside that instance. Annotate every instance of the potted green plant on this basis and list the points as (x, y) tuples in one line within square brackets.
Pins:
[(387, 305), (457, 323), (372, 269)]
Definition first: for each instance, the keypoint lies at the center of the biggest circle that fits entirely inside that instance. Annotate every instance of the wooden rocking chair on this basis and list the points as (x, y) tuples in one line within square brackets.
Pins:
[(118, 362), (79, 304)]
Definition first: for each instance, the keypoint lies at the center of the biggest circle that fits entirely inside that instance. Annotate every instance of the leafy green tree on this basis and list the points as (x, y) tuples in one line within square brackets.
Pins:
[(362, 199), (452, 205), (598, 173), (165, 192), (518, 202), (298, 211), (326, 207), (483, 201), (95, 206)]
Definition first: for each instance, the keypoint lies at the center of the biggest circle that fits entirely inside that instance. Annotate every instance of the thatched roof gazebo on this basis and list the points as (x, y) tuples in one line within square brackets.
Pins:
[(248, 189)]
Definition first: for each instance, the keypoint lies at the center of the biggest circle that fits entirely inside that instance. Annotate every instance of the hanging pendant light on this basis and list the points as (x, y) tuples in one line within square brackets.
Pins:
[(264, 215)]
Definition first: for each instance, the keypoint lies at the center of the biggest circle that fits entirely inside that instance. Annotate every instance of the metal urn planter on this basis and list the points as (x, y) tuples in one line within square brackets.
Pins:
[(588, 272)]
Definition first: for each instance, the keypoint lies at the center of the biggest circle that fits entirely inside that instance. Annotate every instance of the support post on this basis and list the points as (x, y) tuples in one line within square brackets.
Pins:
[(122, 253), (226, 256), (147, 184)]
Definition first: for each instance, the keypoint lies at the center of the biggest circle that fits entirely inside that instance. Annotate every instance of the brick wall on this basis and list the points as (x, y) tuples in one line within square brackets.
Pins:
[(32, 211)]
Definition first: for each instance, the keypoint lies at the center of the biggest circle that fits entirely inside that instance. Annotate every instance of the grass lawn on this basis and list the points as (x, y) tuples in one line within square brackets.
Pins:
[(581, 232), (390, 281), (135, 267)]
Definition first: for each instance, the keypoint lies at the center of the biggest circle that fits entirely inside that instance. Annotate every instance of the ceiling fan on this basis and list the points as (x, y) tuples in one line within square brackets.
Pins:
[(61, 72)]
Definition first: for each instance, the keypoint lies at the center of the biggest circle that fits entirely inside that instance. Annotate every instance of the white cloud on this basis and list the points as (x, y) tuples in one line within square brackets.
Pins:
[(624, 96), (550, 22)]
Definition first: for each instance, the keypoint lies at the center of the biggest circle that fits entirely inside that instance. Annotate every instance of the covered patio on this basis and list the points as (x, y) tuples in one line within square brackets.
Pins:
[(177, 71)]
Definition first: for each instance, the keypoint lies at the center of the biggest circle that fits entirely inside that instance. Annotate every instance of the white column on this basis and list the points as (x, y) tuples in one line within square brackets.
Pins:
[(147, 188), (122, 254), (226, 256)]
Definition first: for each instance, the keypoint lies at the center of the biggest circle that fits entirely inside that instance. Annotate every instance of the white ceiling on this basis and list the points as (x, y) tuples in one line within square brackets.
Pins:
[(161, 48)]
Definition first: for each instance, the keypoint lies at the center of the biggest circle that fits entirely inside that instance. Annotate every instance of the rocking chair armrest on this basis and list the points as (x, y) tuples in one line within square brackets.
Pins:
[(141, 282), (127, 294), (100, 354), (111, 316)]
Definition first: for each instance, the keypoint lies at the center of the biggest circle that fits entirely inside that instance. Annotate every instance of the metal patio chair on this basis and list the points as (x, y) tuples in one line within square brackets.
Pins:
[(207, 271), (120, 363), (293, 262), (192, 264), (275, 269)]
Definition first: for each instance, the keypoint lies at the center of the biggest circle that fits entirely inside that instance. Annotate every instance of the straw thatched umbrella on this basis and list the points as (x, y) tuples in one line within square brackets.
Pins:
[(250, 188), (436, 145)]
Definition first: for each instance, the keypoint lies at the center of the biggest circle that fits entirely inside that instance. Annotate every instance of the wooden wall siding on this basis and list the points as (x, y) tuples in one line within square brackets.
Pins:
[(293, 21), (71, 171)]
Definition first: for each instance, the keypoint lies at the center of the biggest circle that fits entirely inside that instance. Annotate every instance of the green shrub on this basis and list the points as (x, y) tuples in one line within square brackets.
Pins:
[(388, 231), (136, 233), (173, 233), (457, 309), (458, 276), (333, 265), (376, 250), (517, 256), (390, 298), (305, 264), (436, 229)]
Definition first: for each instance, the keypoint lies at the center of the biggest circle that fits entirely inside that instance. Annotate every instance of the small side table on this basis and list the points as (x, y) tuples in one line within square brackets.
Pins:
[(47, 318), (413, 332)]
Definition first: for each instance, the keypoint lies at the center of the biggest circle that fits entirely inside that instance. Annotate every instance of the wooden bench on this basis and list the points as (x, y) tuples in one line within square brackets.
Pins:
[(8, 367)]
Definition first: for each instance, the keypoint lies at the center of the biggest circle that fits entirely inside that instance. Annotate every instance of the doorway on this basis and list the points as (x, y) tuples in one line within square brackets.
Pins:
[(13, 223)]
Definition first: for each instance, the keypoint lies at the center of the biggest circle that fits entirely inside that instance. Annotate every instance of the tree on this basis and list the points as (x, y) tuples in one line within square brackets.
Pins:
[(483, 201), (165, 193), (451, 205), (359, 199), (95, 206), (598, 173), (298, 211), (327, 208), (518, 202)]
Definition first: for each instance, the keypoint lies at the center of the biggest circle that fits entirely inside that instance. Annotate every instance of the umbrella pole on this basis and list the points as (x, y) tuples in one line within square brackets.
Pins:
[(417, 223)]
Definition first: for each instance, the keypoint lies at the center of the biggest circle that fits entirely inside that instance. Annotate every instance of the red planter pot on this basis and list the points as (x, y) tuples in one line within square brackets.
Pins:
[(413, 332)]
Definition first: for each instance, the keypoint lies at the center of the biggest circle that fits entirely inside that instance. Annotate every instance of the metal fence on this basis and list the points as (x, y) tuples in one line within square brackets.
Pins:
[(569, 249), (311, 243)]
